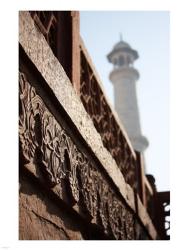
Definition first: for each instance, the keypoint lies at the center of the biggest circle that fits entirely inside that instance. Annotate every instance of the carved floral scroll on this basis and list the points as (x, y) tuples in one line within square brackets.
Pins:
[(45, 143)]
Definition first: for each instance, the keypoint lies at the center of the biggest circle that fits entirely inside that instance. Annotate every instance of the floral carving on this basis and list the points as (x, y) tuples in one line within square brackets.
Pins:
[(52, 148), (26, 119), (45, 143)]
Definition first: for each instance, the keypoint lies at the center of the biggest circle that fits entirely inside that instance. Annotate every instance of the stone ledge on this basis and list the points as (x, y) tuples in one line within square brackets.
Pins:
[(37, 49)]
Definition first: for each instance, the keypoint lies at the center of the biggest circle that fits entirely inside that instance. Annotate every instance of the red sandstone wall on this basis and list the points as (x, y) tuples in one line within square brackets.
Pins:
[(41, 219)]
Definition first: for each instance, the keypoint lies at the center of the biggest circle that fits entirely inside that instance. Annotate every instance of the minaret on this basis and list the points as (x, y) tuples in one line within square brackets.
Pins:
[(124, 77)]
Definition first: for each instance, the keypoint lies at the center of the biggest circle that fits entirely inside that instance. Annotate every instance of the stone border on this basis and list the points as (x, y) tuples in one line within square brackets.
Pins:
[(39, 52)]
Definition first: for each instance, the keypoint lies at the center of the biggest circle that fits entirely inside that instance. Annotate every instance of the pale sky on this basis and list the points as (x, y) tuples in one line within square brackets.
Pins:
[(148, 33)]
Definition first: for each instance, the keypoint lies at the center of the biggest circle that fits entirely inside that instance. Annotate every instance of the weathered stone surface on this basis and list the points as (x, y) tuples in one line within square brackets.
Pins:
[(51, 155), (41, 55), (41, 219), (146, 219)]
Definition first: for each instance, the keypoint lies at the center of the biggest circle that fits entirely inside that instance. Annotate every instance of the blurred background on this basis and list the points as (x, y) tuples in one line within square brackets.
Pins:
[(147, 32)]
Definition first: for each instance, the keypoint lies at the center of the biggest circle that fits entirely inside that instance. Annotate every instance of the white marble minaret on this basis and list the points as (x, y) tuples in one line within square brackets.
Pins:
[(124, 77)]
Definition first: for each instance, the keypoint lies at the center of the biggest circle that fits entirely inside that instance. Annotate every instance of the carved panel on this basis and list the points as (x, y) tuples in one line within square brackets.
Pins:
[(46, 144), (46, 21), (26, 119), (96, 105), (61, 31)]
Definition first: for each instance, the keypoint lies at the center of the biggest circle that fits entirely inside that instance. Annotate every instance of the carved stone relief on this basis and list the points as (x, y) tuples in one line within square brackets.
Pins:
[(47, 145)]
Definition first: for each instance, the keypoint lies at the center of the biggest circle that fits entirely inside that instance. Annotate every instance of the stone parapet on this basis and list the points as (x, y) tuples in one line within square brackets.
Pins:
[(61, 148)]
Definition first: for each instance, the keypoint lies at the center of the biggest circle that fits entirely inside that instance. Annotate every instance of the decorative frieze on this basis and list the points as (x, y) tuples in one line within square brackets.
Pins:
[(57, 157), (45, 144)]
